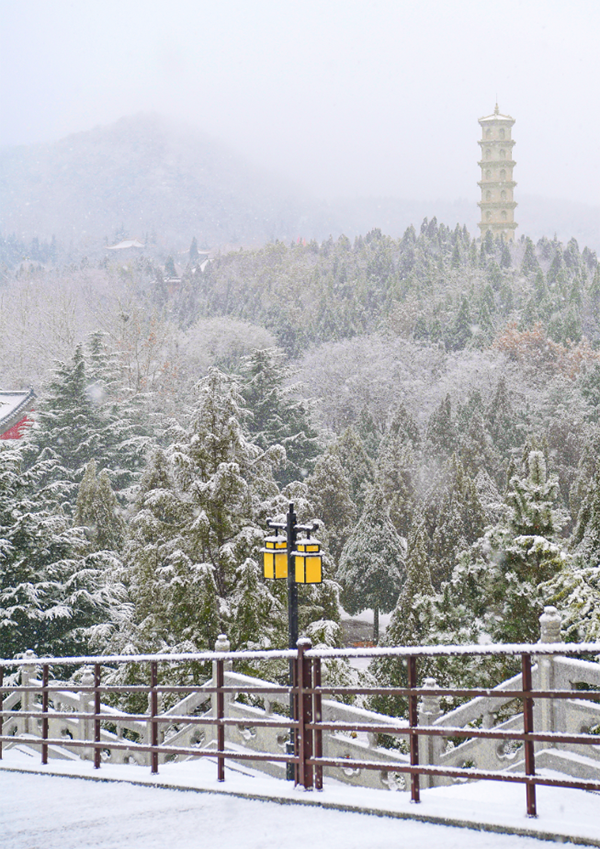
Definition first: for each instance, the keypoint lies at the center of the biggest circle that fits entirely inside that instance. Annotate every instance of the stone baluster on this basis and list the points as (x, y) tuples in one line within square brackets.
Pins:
[(27, 700), (430, 748), (86, 705), (550, 624)]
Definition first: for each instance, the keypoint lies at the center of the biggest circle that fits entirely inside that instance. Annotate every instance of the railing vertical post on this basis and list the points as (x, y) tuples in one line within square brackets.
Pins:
[(528, 729), (219, 683), (97, 710), (413, 721), (44, 713), (1, 708), (153, 714), (318, 715), (305, 714)]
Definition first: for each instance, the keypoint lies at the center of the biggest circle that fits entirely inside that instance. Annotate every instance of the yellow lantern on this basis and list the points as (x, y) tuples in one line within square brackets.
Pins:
[(275, 560), (308, 562)]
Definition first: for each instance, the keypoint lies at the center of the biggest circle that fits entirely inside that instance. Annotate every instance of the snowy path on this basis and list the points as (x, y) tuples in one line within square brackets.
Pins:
[(49, 812)]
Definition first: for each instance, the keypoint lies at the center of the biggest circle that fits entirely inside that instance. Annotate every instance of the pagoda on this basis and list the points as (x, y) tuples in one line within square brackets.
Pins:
[(497, 184)]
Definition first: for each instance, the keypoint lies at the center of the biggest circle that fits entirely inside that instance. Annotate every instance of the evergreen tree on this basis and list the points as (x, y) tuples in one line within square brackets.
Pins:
[(502, 579), (55, 597), (226, 480), (372, 565), (458, 521), (356, 463), (97, 510), (396, 467), (257, 617), (410, 624), (276, 417), (330, 493), (67, 435), (441, 437)]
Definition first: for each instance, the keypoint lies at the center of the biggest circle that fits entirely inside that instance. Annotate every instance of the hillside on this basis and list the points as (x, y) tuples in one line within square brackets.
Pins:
[(145, 177)]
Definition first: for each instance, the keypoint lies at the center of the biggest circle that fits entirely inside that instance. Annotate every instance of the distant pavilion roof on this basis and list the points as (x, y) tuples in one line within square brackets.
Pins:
[(14, 407)]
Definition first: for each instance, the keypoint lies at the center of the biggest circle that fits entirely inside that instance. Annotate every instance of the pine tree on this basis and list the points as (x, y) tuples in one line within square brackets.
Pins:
[(276, 416), (225, 478), (330, 492), (67, 435), (372, 564), (410, 624), (458, 521), (97, 510), (356, 463), (441, 437), (502, 579), (395, 470), (55, 597), (257, 617)]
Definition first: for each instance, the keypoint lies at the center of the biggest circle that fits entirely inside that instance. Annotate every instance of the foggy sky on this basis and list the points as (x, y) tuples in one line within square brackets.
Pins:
[(345, 98)]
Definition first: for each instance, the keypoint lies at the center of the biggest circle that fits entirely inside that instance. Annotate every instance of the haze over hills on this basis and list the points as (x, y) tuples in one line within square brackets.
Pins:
[(164, 182)]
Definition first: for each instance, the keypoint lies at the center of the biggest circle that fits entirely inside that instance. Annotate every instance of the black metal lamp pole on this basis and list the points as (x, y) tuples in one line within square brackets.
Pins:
[(292, 629), (291, 529)]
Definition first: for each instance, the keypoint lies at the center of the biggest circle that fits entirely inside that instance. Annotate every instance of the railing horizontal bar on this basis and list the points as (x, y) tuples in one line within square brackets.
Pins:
[(516, 649), (511, 777), (592, 695), (507, 649), (196, 657), (450, 731)]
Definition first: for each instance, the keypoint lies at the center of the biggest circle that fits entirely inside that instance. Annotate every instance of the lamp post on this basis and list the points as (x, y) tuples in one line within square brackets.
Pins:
[(298, 560)]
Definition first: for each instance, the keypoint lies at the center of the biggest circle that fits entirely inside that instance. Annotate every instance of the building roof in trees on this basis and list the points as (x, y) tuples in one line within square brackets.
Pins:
[(126, 243), (14, 407)]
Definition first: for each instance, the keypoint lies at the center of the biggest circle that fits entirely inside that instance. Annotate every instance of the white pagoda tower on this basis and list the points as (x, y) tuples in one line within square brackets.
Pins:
[(497, 185)]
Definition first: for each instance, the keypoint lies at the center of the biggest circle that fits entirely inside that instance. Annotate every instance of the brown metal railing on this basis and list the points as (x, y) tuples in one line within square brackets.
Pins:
[(308, 726)]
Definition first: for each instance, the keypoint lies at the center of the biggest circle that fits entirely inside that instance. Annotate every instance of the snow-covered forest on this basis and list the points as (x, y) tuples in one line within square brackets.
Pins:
[(431, 401)]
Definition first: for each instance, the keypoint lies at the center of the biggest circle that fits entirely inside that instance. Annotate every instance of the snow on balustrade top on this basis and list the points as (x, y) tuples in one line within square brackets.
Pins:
[(536, 649)]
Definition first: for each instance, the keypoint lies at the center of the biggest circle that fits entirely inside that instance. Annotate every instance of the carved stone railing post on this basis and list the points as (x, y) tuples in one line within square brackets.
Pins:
[(27, 700), (430, 748), (86, 703), (550, 624)]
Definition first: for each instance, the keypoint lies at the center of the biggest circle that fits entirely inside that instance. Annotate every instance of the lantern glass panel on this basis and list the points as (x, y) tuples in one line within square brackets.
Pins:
[(275, 557)]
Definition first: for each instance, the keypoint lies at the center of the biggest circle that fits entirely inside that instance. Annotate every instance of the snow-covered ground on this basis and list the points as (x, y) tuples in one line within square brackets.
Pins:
[(46, 809)]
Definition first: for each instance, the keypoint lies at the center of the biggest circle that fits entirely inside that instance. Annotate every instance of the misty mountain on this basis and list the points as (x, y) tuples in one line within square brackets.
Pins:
[(164, 183), (145, 177)]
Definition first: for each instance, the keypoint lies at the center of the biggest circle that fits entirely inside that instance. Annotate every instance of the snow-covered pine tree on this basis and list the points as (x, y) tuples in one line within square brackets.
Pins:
[(356, 464), (372, 563), (330, 492), (126, 423), (507, 569), (256, 615), (225, 479), (175, 596), (97, 510), (66, 435), (55, 597), (277, 415), (396, 467), (458, 520), (441, 437), (410, 624)]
